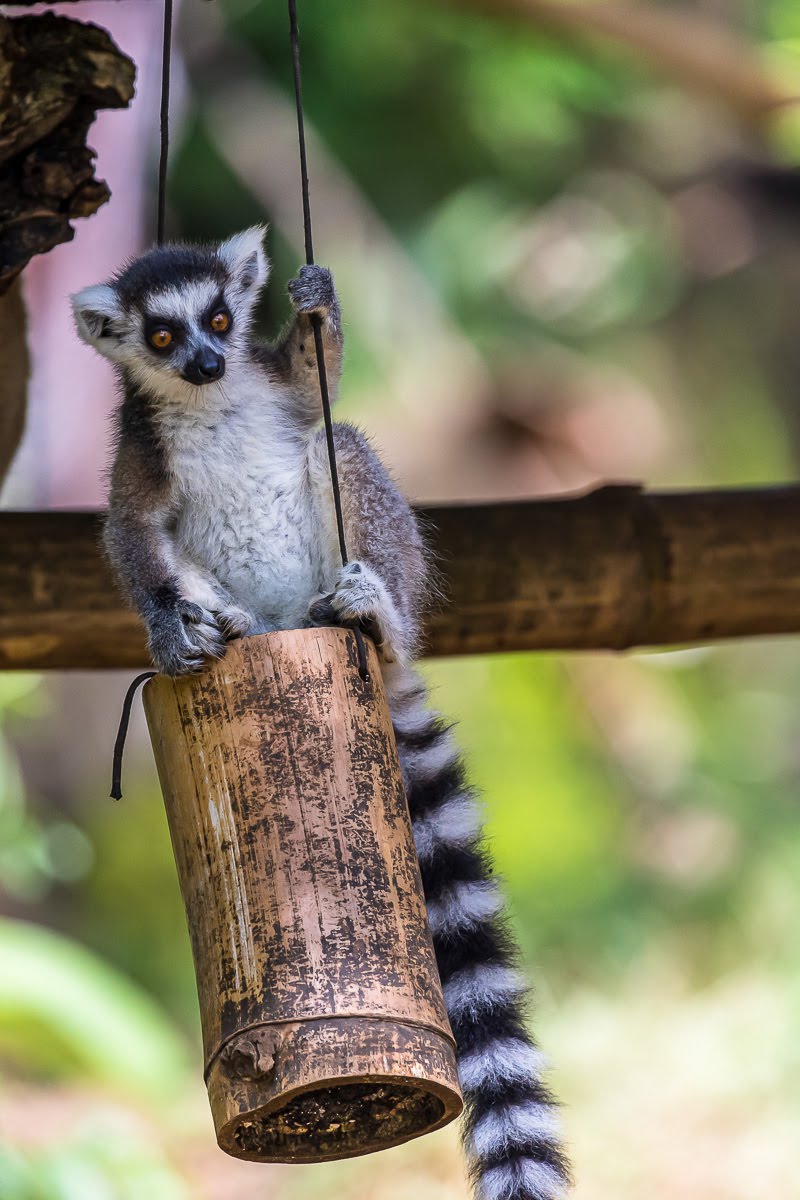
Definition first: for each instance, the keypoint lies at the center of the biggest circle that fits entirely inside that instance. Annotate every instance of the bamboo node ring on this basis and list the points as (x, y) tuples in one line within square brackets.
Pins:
[(251, 1057)]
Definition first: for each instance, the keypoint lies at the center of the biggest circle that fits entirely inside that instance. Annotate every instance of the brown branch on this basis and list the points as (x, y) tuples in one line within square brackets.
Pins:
[(611, 570), (14, 380), (699, 53), (55, 74)]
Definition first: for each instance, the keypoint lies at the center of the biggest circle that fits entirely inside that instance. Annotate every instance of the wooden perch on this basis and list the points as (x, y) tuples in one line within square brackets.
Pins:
[(610, 570), (55, 74)]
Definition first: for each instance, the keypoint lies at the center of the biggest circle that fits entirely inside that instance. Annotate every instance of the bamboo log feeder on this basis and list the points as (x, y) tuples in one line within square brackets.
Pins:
[(324, 1028)]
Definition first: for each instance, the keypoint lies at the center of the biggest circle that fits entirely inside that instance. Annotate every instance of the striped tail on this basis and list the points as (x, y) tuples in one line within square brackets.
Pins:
[(511, 1130)]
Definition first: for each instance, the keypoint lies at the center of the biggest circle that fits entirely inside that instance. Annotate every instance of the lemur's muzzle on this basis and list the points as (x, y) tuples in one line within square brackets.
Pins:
[(206, 367)]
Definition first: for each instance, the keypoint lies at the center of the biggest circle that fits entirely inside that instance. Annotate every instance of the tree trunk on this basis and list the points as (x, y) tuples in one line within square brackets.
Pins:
[(55, 74), (16, 369)]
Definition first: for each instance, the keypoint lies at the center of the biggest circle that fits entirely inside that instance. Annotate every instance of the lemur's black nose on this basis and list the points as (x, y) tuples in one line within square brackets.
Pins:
[(205, 367), (212, 366)]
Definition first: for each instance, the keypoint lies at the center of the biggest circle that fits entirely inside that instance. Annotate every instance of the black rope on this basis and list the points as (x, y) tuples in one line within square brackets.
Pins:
[(163, 159), (122, 732), (316, 323)]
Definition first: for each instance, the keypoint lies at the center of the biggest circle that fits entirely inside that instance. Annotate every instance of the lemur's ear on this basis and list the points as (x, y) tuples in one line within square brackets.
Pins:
[(244, 256), (95, 309)]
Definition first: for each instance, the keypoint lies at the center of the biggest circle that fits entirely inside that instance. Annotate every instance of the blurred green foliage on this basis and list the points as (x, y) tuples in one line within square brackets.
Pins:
[(64, 1012), (108, 1164)]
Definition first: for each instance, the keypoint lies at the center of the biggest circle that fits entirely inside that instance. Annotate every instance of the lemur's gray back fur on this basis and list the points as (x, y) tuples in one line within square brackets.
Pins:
[(221, 525)]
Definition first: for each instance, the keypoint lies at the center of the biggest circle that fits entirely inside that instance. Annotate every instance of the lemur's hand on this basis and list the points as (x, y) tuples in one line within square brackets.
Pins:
[(312, 291), (202, 592), (184, 638), (234, 622), (361, 598)]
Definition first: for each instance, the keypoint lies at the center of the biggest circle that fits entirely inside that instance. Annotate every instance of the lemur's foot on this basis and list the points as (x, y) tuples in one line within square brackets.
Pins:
[(183, 640), (361, 599), (233, 621), (312, 291)]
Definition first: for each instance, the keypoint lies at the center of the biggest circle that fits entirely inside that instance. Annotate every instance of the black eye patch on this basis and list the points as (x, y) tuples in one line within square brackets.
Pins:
[(153, 323), (218, 307)]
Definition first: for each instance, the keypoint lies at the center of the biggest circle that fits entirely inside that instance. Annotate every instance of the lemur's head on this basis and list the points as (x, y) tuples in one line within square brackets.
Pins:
[(178, 314)]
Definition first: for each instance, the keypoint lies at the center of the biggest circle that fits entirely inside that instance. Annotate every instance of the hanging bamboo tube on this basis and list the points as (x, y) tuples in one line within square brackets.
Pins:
[(324, 1029)]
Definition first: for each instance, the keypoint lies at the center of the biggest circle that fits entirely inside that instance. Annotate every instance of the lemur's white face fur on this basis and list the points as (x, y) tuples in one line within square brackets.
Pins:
[(177, 317)]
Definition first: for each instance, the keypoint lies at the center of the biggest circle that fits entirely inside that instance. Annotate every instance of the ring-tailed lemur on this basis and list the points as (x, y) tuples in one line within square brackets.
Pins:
[(220, 525)]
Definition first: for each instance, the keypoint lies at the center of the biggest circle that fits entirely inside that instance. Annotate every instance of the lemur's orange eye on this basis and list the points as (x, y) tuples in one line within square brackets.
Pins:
[(161, 338), (220, 322)]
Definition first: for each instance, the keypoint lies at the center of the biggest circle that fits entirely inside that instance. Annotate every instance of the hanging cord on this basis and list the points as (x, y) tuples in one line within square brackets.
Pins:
[(316, 321), (163, 158), (122, 732), (163, 161)]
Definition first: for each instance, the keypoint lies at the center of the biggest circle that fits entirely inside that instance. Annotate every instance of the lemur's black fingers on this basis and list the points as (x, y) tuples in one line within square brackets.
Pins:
[(191, 614), (192, 666), (371, 627), (322, 612), (234, 622), (183, 641), (312, 290), (209, 641), (175, 661)]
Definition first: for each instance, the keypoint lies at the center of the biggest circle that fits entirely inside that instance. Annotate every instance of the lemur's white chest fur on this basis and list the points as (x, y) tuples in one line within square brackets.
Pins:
[(249, 511)]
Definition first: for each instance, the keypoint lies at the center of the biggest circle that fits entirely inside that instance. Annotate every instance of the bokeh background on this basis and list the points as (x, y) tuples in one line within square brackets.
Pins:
[(568, 251)]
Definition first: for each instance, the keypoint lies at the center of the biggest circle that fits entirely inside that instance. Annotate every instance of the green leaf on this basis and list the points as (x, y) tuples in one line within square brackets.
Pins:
[(64, 1012)]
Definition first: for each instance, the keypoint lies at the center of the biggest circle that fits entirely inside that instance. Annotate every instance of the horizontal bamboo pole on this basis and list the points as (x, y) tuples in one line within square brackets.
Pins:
[(613, 569)]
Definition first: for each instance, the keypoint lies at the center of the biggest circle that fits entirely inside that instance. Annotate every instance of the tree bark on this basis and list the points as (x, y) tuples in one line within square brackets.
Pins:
[(16, 369), (324, 1027), (55, 74), (614, 569)]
